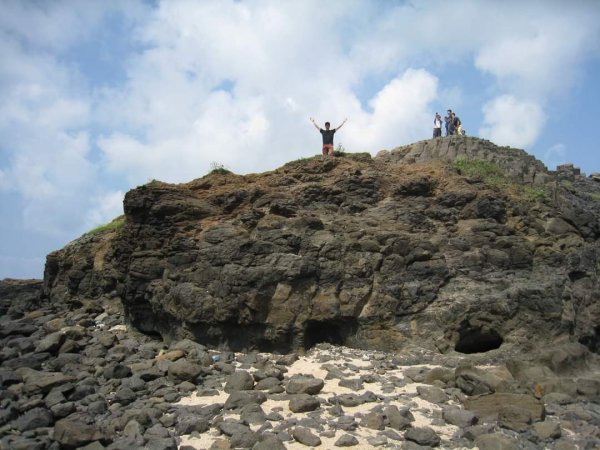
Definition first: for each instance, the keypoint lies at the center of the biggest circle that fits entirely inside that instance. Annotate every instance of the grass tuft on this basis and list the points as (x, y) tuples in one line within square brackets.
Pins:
[(110, 226), (493, 175), (489, 172), (218, 169)]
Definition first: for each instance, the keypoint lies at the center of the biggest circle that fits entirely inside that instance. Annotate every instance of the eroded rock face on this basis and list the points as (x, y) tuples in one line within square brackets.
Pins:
[(369, 253), (18, 296)]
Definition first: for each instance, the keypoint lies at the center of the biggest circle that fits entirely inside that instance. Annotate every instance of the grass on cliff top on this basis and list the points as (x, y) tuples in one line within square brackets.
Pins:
[(339, 152), (489, 172), (218, 169), (493, 175), (110, 226)]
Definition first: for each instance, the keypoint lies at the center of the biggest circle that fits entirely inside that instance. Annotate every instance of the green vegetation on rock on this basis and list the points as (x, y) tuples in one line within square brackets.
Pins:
[(110, 226), (489, 172), (218, 169), (493, 175)]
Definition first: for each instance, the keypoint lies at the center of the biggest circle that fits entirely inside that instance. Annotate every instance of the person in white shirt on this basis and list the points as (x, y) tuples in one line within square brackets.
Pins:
[(437, 125)]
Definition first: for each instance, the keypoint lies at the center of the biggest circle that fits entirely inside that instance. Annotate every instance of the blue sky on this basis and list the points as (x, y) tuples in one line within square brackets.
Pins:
[(101, 96)]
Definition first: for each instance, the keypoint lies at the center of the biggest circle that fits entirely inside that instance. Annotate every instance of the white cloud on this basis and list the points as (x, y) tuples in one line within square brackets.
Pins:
[(105, 208), (513, 122), (235, 82), (400, 113), (555, 156), (537, 50)]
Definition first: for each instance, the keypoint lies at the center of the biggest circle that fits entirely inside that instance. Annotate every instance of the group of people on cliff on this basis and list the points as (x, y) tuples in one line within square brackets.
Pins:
[(452, 124)]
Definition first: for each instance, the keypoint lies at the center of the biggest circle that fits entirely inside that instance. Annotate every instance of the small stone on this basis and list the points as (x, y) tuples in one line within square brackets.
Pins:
[(34, 418), (125, 395), (336, 410), (377, 441), (62, 410), (306, 437), (267, 383), (496, 441), (392, 434), (422, 436), (252, 414), (302, 384), (183, 370), (187, 425), (269, 443), (71, 433), (239, 381), (287, 360), (355, 384), (172, 355), (547, 429), (432, 394), (303, 403), (117, 371), (238, 399), (346, 440), (374, 420), (458, 417), (514, 418), (346, 423), (396, 418)]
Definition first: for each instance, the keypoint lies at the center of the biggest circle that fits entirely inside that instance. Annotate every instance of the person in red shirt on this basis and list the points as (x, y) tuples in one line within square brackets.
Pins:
[(327, 135)]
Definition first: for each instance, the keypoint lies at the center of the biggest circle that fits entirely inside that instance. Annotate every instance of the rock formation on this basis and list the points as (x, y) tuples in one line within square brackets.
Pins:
[(452, 243), (473, 265)]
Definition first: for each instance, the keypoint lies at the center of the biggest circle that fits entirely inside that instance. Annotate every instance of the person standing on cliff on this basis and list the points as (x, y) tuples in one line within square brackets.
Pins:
[(327, 135), (448, 123), (437, 125)]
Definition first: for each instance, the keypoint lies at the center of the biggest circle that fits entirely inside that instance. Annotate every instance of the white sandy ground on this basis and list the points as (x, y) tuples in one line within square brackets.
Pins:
[(310, 365)]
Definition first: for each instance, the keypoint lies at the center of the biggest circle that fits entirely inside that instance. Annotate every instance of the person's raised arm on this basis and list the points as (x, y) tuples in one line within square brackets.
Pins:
[(315, 124), (341, 124)]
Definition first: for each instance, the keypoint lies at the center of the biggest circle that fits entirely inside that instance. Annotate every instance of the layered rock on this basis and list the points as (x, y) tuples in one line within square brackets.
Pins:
[(369, 253)]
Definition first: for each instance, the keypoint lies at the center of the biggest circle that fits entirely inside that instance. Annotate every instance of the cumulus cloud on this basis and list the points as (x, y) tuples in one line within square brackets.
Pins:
[(104, 208), (400, 113), (235, 82), (555, 155), (538, 49), (513, 122)]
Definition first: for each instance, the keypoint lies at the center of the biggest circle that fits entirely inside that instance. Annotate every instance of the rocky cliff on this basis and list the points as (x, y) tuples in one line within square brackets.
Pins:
[(453, 243)]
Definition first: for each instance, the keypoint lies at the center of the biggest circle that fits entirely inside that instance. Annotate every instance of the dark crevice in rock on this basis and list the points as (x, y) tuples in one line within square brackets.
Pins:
[(592, 342), (328, 331), (576, 275), (477, 340), (235, 337)]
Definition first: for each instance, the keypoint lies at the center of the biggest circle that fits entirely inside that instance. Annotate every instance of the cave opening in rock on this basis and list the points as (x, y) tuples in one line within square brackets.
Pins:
[(478, 340), (328, 331), (592, 341)]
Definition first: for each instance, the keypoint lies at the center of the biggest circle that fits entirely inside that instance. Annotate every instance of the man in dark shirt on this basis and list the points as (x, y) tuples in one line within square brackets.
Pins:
[(327, 135)]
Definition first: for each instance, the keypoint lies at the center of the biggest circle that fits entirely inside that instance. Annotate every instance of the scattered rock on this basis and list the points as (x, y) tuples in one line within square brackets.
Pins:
[(303, 403), (306, 437), (239, 381), (76, 434), (495, 441), (422, 436), (238, 399), (302, 384), (432, 394), (346, 440)]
